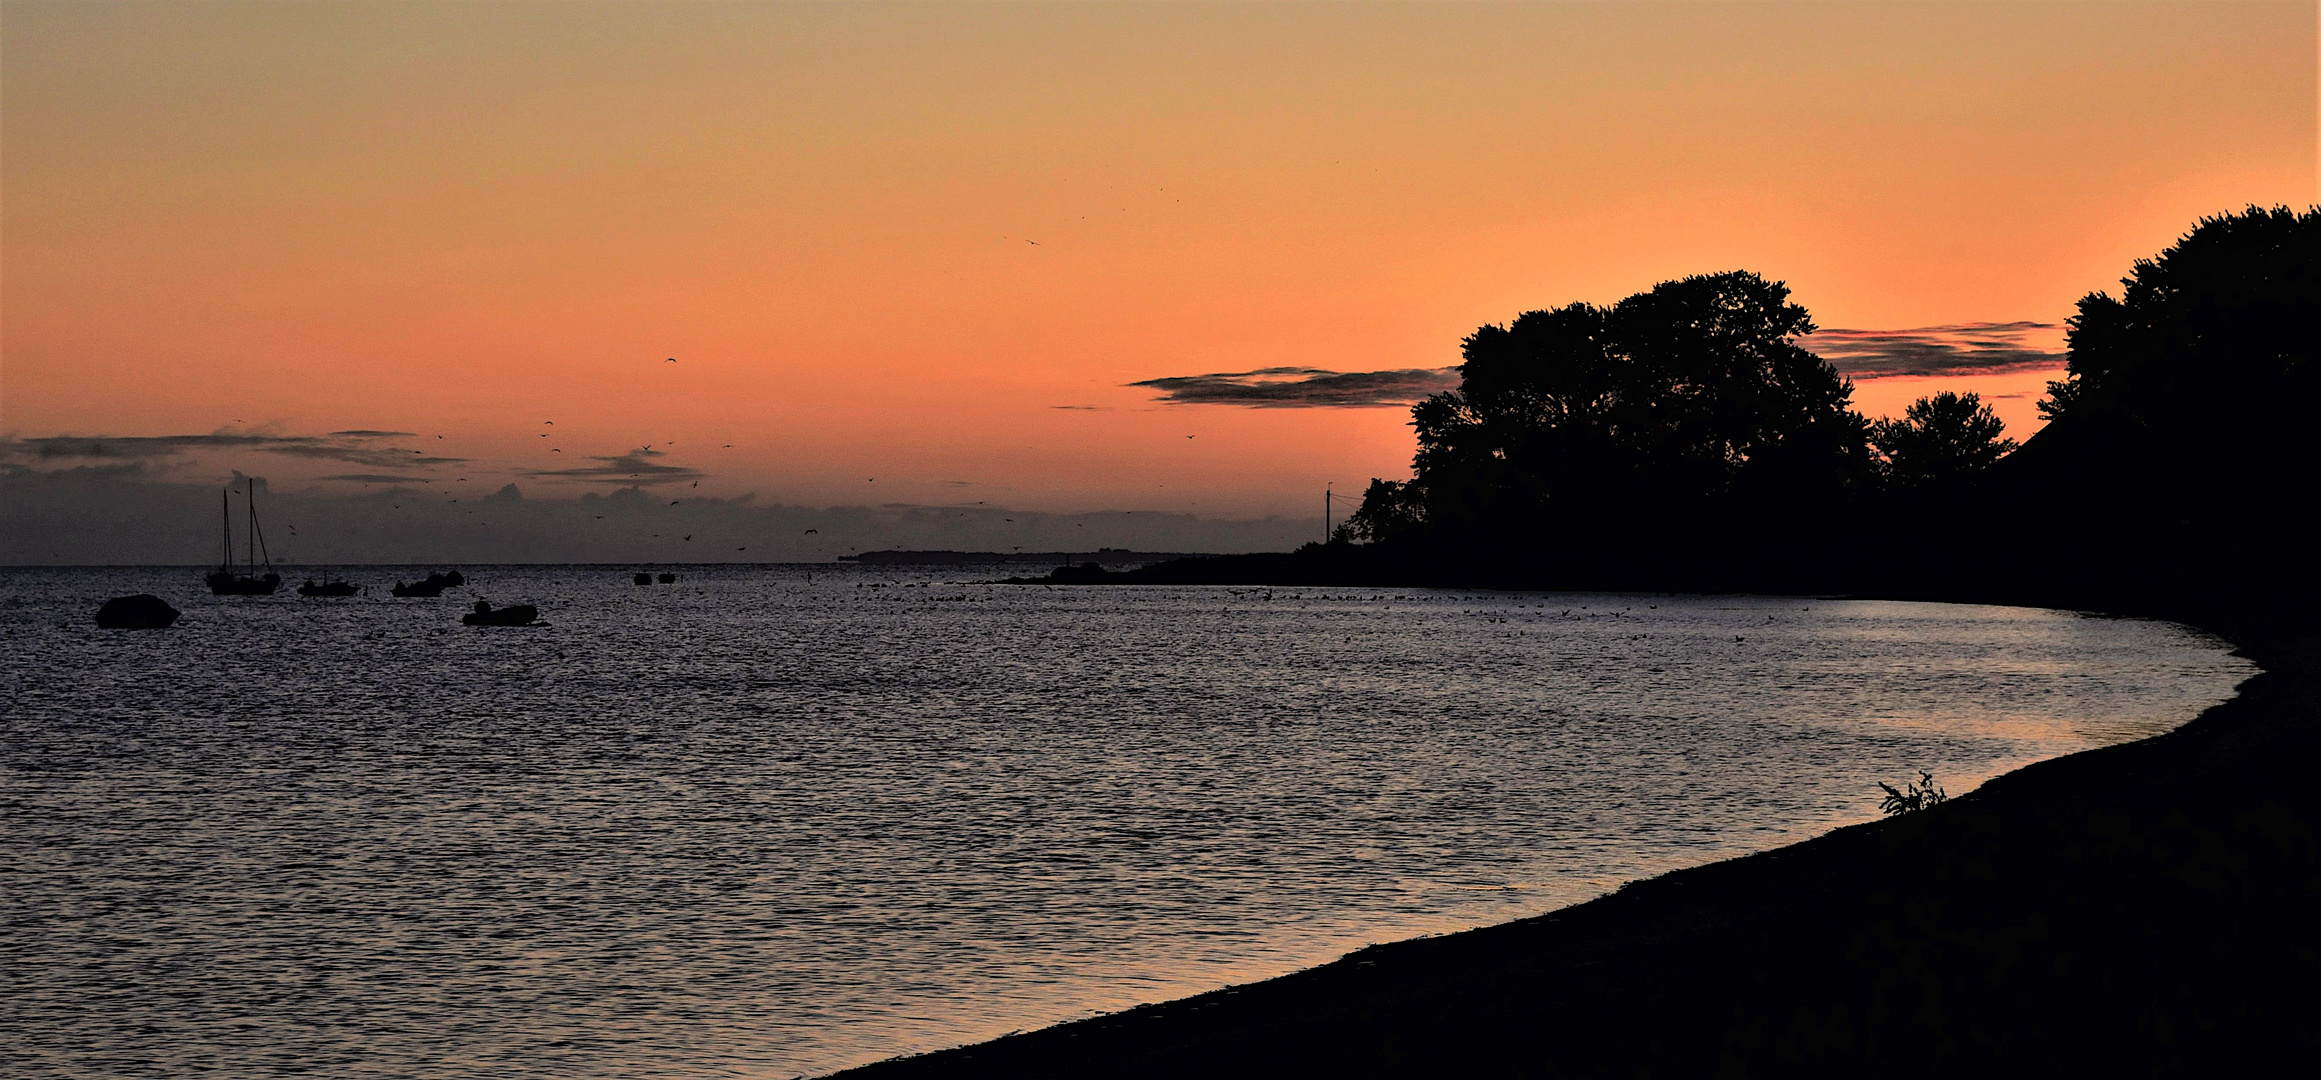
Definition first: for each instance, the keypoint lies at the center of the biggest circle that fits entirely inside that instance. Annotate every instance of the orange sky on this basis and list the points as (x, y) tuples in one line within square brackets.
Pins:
[(886, 241)]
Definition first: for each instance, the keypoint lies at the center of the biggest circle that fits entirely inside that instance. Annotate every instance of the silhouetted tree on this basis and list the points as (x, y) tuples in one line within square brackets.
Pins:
[(2224, 324), (1940, 437), (1696, 389), (2179, 454), (1390, 508)]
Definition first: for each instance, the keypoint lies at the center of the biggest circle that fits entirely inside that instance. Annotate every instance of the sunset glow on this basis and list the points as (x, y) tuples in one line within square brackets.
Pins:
[(919, 253)]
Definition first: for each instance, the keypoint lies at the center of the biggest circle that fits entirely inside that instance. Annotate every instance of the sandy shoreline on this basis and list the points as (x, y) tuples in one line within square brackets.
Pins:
[(2136, 907)]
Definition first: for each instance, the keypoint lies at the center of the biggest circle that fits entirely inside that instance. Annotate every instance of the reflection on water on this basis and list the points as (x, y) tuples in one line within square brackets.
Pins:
[(750, 824)]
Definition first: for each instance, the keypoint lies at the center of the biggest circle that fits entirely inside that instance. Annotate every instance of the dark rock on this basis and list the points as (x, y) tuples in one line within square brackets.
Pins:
[(143, 611), (644, 579)]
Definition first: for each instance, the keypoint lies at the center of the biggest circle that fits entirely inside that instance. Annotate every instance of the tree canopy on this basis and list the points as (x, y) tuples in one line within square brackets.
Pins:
[(1939, 437), (2221, 327), (1694, 390)]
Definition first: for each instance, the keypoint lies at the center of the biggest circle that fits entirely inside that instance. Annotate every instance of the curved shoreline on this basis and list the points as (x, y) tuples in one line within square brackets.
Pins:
[(2131, 906)]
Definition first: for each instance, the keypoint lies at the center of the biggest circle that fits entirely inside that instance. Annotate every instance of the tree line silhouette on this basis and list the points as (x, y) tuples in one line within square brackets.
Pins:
[(1695, 392), (1683, 438)]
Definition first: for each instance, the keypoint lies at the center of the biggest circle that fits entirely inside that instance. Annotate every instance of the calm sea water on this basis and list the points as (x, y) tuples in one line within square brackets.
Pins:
[(770, 821)]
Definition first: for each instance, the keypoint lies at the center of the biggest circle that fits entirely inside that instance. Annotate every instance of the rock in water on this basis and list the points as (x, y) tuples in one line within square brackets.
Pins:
[(143, 611)]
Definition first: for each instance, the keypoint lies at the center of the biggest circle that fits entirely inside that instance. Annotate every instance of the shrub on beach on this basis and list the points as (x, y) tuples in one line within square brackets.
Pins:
[(1921, 795)]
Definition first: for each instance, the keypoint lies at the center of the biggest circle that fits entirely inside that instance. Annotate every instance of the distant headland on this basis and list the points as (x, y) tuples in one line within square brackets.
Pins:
[(1108, 557)]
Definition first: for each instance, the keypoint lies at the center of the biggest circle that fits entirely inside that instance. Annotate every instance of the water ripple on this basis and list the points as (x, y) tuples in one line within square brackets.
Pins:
[(756, 824)]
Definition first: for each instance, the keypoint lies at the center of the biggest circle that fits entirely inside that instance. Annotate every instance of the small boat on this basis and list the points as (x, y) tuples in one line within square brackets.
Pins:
[(332, 587), (487, 615), (668, 579), (432, 586), (644, 579), (223, 581)]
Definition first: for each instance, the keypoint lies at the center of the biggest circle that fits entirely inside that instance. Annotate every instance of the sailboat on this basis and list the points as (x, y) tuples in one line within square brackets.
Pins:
[(223, 581)]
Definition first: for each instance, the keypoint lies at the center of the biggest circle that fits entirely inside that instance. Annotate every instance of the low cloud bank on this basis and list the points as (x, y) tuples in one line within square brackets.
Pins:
[(1304, 388), (1958, 349), (633, 469), (110, 516), (1955, 349), (351, 447)]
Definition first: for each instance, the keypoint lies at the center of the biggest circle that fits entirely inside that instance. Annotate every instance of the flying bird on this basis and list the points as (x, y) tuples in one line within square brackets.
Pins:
[(811, 532), (672, 359), (688, 536), (549, 422), (674, 502), (697, 483)]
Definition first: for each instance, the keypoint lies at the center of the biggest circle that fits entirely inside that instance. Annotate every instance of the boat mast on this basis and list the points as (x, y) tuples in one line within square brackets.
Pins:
[(226, 528), (257, 539)]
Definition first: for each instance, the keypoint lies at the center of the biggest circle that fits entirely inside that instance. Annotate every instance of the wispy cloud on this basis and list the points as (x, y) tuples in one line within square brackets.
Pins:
[(1958, 349), (352, 447), (635, 467), (1304, 388), (380, 478)]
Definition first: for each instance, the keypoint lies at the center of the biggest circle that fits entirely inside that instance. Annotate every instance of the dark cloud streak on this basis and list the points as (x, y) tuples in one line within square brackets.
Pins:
[(1304, 388), (349, 447), (380, 478), (634, 467), (1957, 349)]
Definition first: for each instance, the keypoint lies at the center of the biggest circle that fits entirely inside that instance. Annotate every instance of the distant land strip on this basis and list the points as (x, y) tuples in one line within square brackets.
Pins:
[(1111, 556)]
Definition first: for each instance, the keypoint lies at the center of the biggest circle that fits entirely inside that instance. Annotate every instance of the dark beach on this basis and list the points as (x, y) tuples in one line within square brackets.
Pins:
[(2146, 908)]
